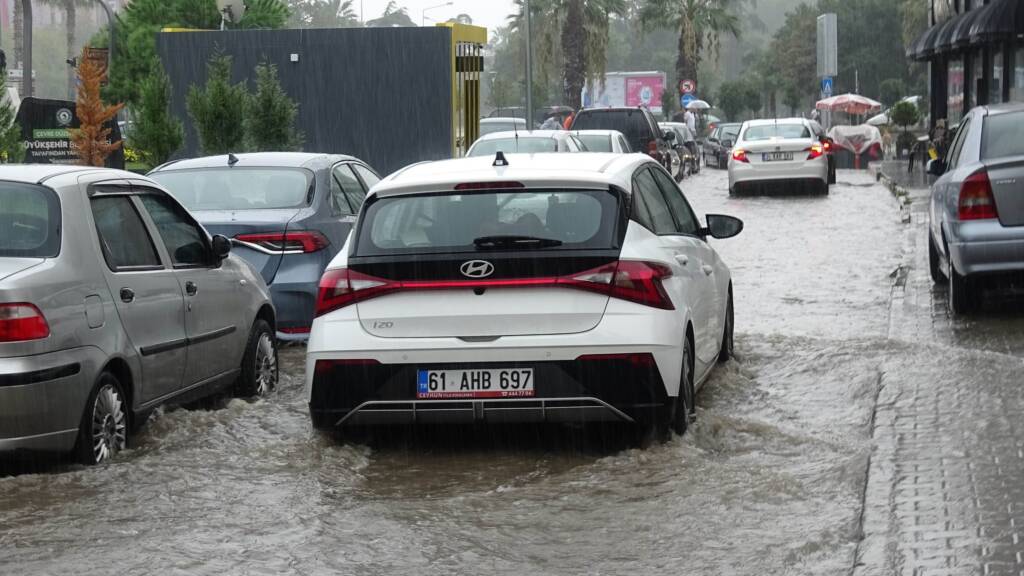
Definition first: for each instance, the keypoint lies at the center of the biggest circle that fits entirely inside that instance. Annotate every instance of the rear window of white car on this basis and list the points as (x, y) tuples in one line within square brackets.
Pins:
[(769, 131), (238, 188), (1003, 136), (29, 221), (461, 222), (513, 146), (596, 142)]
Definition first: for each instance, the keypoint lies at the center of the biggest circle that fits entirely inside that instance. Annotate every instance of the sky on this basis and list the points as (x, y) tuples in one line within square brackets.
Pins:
[(489, 13)]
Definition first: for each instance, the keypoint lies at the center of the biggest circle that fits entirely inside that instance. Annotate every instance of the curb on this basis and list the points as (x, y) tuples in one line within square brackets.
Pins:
[(901, 194)]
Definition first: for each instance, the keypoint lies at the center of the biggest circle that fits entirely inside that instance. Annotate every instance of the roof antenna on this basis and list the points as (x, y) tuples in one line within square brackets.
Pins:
[(232, 159), (499, 160)]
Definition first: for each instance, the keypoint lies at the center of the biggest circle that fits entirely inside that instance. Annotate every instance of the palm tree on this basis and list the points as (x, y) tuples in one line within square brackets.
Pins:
[(323, 14), (581, 27), (700, 24)]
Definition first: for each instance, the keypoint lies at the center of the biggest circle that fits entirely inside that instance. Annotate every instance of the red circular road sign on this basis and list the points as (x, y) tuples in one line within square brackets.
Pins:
[(687, 86)]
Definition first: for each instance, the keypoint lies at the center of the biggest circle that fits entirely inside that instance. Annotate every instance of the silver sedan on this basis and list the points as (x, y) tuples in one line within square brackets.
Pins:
[(114, 301), (976, 216)]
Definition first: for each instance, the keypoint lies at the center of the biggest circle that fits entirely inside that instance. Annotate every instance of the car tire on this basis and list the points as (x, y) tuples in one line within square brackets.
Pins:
[(962, 293), (934, 265), (728, 341), (103, 431), (259, 364), (824, 187), (683, 406)]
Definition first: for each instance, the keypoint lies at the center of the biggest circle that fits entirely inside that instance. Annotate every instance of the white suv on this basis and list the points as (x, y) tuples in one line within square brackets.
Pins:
[(784, 154), (542, 288)]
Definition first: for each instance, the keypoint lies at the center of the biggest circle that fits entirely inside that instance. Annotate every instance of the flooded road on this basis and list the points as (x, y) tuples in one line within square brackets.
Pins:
[(770, 480)]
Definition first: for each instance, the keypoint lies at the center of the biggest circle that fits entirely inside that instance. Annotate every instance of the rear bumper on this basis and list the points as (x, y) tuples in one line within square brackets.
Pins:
[(986, 247), (42, 398), (796, 172), (294, 292)]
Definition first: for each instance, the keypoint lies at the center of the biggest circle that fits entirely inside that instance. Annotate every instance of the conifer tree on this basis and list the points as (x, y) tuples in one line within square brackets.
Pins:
[(92, 137)]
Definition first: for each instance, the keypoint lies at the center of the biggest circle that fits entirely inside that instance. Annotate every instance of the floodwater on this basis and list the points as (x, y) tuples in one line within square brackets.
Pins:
[(770, 479)]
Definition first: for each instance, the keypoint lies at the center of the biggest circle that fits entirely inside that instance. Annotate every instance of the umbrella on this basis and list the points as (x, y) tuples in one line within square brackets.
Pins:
[(849, 103), (879, 120), (698, 105)]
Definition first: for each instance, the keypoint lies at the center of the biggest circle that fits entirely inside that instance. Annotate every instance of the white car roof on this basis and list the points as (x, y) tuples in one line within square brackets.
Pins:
[(599, 132), (503, 120), (553, 134), (597, 170), (776, 121)]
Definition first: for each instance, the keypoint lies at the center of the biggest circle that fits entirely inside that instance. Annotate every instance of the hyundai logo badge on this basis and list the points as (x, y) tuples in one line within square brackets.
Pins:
[(477, 269)]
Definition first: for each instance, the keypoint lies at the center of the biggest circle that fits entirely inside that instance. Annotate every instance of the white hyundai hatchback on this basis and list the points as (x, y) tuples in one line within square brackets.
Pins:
[(781, 154), (569, 288)]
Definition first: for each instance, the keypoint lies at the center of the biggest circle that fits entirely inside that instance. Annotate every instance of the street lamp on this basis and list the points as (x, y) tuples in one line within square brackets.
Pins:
[(423, 14)]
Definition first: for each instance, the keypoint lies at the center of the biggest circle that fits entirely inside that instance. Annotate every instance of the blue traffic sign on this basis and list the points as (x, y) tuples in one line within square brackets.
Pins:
[(686, 99), (826, 86)]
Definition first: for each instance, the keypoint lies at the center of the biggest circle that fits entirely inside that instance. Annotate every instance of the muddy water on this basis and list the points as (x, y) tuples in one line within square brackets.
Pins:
[(768, 481)]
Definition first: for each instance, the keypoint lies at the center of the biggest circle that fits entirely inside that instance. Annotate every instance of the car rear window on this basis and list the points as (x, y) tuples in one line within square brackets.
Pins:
[(1003, 136), (728, 132), (520, 145), (238, 188), (632, 123), (452, 221), (596, 142), (29, 221), (491, 127), (784, 131)]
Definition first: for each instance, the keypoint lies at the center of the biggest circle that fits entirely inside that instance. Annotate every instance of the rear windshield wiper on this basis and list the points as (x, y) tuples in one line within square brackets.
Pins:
[(512, 241)]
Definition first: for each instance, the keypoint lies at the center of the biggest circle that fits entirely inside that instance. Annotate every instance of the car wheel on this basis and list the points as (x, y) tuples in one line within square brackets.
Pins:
[(103, 431), (824, 187), (684, 401), (728, 342), (934, 266), (259, 365), (962, 297)]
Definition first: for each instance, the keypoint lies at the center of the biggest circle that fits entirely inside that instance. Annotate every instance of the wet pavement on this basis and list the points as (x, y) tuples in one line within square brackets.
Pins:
[(833, 319)]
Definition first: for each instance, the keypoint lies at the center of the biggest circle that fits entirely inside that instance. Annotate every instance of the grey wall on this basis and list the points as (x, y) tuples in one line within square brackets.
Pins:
[(380, 94)]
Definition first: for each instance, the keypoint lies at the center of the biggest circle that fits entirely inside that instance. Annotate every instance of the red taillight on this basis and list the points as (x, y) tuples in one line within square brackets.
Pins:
[(20, 322), (638, 360), (815, 151), (303, 241), (652, 148), (740, 155), (488, 186), (324, 366), (827, 145), (635, 281), (295, 330), (976, 199)]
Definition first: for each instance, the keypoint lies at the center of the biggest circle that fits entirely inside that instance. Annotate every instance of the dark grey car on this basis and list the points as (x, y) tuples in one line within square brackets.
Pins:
[(114, 301), (288, 214), (976, 216)]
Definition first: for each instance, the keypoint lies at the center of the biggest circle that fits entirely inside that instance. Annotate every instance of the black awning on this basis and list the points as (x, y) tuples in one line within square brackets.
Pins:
[(944, 38), (916, 48), (998, 20), (960, 37)]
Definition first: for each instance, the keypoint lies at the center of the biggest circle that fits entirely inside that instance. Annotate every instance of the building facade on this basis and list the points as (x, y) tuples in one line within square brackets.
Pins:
[(975, 55)]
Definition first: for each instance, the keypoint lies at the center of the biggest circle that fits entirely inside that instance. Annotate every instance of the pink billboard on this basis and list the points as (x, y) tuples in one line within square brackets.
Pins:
[(644, 91)]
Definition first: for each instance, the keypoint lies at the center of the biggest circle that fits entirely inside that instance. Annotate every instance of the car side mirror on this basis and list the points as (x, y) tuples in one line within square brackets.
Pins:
[(727, 143), (713, 139), (936, 167), (721, 226), (669, 136), (221, 246)]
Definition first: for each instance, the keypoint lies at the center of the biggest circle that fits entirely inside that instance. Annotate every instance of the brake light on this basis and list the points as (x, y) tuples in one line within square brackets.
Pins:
[(296, 330), (20, 322), (816, 150), (303, 241), (827, 145), (638, 360), (487, 185), (630, 280), (740, 155), (976, 199), (324, 366)]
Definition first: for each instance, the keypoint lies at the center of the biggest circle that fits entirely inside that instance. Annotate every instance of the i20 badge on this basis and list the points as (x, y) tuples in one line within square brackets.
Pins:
[(476, 269)]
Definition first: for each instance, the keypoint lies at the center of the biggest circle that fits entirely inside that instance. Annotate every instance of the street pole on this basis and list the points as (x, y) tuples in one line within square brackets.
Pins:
[(111, 22), (26, 40), (529, 66)]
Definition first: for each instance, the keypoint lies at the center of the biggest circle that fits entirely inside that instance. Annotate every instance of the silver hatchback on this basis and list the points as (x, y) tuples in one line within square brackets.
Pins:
[(976, 216), (114, 301)]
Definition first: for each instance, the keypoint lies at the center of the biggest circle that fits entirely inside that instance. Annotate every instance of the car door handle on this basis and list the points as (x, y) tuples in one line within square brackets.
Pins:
[(191, 288), (708, 269), (683, 259), (127, 295)]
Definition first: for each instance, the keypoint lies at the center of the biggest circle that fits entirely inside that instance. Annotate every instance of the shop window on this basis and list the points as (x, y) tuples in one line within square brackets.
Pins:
[(955, 91), (995, 91), (1017, 86)]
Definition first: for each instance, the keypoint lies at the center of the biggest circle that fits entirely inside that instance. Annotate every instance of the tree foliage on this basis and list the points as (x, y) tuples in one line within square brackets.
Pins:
[(92, 137), (736, 97), (12, 149), (218, 109), (322, 14), (140, 21), (904, 114), (891, 90), (270, 114), (393, 16), (700, 25), (156, 134)]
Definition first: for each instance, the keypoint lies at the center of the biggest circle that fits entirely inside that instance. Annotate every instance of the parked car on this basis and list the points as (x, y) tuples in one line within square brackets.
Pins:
[(684, 143), (778, 154), (637, 124), (551, 288), (976, 214), (287, 213), (114, 301), (489, 125), (829, 147), (603, 141), (718, 147), (526, 143)]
